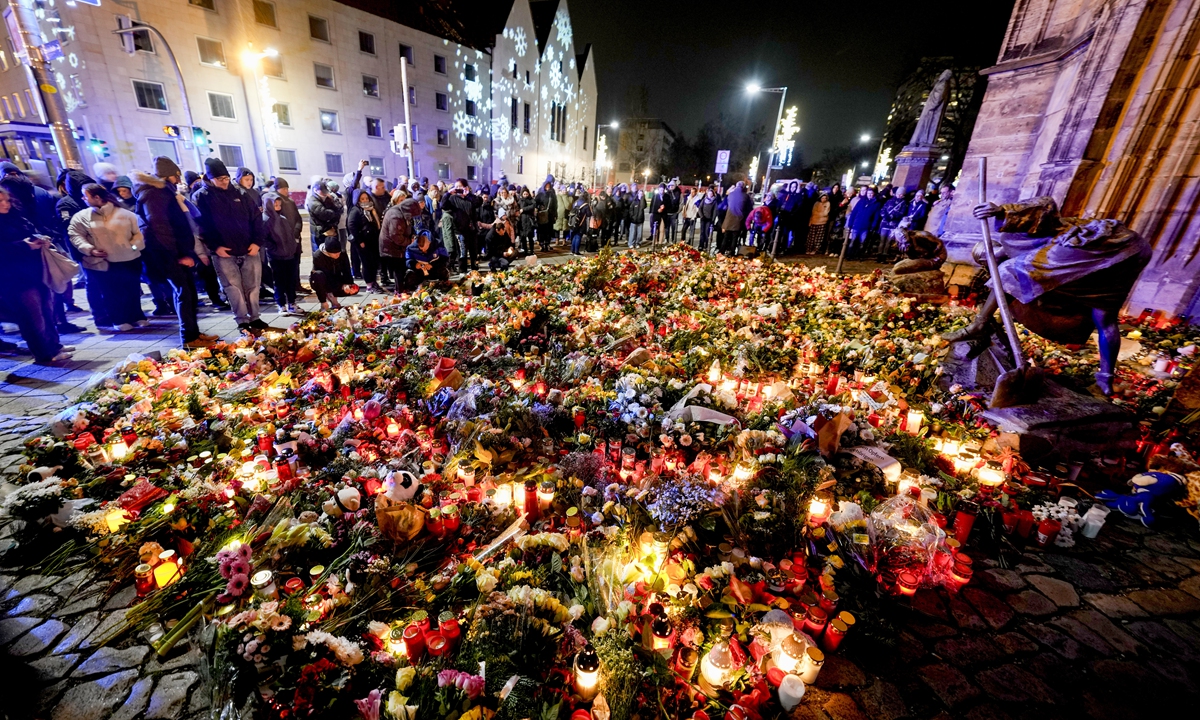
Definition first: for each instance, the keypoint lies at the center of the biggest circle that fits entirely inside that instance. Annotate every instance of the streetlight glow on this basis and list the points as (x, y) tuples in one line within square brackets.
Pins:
[(753, 87), (271, 52), (864, 138), (615, 124)]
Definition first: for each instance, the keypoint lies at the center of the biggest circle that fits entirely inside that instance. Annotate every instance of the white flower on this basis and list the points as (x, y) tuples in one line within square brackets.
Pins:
[(575, 611), (485, 581), (599, 626)]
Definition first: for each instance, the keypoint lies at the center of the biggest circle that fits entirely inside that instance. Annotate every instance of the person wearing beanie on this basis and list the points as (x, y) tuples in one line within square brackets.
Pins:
[(106, 174), (231, 227), (190, 178), (330, 276), (246, 178), (427, 261), (284, 253), (170, 256)]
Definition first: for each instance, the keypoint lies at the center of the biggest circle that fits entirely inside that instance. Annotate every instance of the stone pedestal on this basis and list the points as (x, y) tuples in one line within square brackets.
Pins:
[(914, 166)]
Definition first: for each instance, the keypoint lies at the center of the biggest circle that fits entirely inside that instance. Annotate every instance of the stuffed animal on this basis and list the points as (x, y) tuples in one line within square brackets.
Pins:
[(343, 501), (1147, 487), (72, 419), (401, 486)]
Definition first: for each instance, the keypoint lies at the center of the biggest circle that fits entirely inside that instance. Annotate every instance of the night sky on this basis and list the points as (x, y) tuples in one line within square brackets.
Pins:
[(841, 61)]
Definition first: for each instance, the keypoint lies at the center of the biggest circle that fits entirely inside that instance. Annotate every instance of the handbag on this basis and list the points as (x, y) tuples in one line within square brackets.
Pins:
[(543, 217), (58, 269), (594, 222)]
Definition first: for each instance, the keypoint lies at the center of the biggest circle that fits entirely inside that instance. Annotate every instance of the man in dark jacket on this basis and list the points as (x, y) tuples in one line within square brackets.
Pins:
[(330, 276), (292, 213), (636, 215), (170, 246), (862, 221), (231, 227), (893, 211), (459, 202), (427, 261), (674, 197), (547, 213), (323, 214)]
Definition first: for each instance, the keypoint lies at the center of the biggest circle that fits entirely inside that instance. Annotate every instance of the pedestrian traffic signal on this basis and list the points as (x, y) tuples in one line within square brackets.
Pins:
[(171, 130), (99, 148), (203, 139)]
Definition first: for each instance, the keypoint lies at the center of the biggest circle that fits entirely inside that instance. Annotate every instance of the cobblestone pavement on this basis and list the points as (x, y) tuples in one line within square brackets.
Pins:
[(52, 626)]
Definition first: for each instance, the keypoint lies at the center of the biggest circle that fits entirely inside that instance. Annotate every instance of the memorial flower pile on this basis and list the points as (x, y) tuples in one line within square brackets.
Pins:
[(632, 483)]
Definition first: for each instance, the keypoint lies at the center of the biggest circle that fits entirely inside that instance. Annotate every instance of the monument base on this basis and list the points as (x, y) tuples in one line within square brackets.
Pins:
[(914, 166)]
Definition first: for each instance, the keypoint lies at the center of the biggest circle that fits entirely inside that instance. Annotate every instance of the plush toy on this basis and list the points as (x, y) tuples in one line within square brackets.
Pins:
[(343, 501), (401, 486), (72, 419), (1147, 487)]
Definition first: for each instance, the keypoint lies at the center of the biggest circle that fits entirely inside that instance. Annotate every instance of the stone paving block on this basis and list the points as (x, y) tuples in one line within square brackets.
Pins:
[(54, 667), (1012, 684), (1054, 640), (1083, 635), (1167, 545), (948, 683), (30, 583), (1013, 643), (1105, 628), (133, 706), (1181, 677), (1083, 575), (35, 605), (13, 628), (969, 650), (170, 695), (838, 673), (1189, 633), (1002, 580), (93, 700), (84, 604), (1031, 602), (1163, 564), (840, 706), (38, 639), (1060, 593), (82, 627), (881, 700), (965, 615), (1115, 606), (927, 603), (1160, 639), (1190, 563), (1191, 586), (107, 660), (1166, 601), (986, 712), (991, 608)]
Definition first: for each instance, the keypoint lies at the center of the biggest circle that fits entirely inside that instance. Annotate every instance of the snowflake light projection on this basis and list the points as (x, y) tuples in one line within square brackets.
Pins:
[(562, 24)]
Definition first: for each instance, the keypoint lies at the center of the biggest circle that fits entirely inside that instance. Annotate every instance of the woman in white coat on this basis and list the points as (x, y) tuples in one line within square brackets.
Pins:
[(108, 237)]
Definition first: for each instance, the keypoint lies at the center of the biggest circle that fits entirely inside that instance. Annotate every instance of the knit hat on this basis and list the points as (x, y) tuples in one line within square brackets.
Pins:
[(332, 245), (165, 167), (123, 181), (214, 168), (7, 167), (281, 185), (190, 177)]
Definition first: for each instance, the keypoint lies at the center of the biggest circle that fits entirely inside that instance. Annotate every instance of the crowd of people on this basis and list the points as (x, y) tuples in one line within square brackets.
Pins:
[(239, 240)]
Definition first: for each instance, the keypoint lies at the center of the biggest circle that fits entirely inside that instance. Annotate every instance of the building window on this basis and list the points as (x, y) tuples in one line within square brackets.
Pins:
[(585, 137), (526, 77), (374, 127), (513, 113), (264, 14), (273, 66), (206, 4), (470, 73), (527, 115), (165, 148), (136, 41), (470, 141), (472, 172), (318, 28), (514, 71), (3, 61), (231, 155), (220, 105), (150, 95), (412, 95), (283, 114), (439, 64), (370, 86), (553, 121), (441, 102), (406, 52), (20, 105), (287, 160), (471, 108), (212, 52), (520, 164), (443, 171), (329, 121), (324, 75), (375, 165), (333, 163), (443, 137), (415, 136), (366, 42)]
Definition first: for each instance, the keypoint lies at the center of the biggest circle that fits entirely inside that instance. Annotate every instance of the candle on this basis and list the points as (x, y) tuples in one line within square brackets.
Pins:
[(814, 620), (393, 429), (395, 642), (587, 673), (791, 692), (449, 628), (533, 510), (1047, 531), (414, 642), (686, 660), (167, 571), (662, 634), (503, 495), (143, 579), (717, 666), (818, 511), (810, 665), (743, 472), (116, 518), (907, 582), (436, 644), (545, 495), (714, 372), (790, 653), (913, 422), (518, 495), (263, 583), (834, 635), (961, 573), (466, 474), (991, 474)]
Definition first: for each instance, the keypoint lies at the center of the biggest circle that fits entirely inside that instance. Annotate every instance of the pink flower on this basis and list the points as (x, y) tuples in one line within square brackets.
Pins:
[(704, 581), (473, 686), (447, 677), (239, 567), (368, 707), (237, 584), (244, 552)]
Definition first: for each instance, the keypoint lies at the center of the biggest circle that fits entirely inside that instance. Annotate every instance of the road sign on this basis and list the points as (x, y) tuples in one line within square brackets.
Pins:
[(52, 51), (722, 161)]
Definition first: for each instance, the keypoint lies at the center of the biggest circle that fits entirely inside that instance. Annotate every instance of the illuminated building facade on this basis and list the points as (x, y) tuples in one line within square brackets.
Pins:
[(310, 87)]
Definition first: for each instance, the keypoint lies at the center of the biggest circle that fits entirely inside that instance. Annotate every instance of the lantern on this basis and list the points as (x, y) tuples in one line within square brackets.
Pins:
[(167, 571), (818, 511), (662, 634), (991, 474), (913, 422), (790, 653), (395, 642), (743, 472), (717, 666), (587, 673), (263, 583), (714, 372), (393, 429), (810, 665), (143, 580), (503, 497), (907, 582)]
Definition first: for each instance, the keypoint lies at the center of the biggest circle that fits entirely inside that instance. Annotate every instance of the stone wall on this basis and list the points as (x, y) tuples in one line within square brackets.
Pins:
[(1096, 103)]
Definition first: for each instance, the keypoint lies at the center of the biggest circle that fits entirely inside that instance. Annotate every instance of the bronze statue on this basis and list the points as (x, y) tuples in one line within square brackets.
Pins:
[(1063, 276), (922, 251), (925, 134)]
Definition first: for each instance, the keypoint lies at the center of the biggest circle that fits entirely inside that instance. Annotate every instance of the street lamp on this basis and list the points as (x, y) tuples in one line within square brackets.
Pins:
[(864, 139), (754, 88), (187, 108), (596, 141), (251, 60)]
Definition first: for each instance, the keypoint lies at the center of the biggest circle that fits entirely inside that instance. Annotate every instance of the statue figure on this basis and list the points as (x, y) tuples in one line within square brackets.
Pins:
[(922, 251), (1063, 276), (931, 115)]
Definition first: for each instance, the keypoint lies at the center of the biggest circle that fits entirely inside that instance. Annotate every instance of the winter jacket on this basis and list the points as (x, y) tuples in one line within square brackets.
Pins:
[(865, 215), (363, 227), (228, 219), (580, 212), (497, 243), (292, 213), (602, 207), (33, 203), (162, 218), (323, 215), (398, 229), (892, 213), (660, 206), (707, 207), (527, 223), (760, 218), (738, 206), (691, 209), (280, 233), (918, 213), (436, 254), (561, 200), (547, 201), (72, 182), (636, 212), (109, 228), (820, 213), (462, 209), (22, 267), (937, 216), (336, 270)]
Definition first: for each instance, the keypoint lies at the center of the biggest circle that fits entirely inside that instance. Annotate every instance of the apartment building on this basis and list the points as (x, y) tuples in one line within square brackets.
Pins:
[(309, 87)]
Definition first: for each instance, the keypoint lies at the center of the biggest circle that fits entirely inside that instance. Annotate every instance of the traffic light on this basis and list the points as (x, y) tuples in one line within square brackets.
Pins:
[(202, 138), (171, 130), (99, 148)]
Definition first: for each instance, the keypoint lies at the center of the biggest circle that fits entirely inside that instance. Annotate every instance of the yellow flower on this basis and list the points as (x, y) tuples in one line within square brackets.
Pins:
[(404, 677)]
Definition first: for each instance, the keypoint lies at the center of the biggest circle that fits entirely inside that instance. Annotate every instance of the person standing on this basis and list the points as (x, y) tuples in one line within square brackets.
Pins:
[(739, 206), (636, 215), (323, 214), (24, 293), (918, 211), (690, 211), (292, 213), (108, 236), (864, 216), (231, 228), (364, 225), (460, 204), (660, 215), (706, 208), (547, 213), (940, 210), (674, 204), (396, 233), (818, 220), (581, 212), (527, 220), (285, 251), (170, 254), (894, 210)]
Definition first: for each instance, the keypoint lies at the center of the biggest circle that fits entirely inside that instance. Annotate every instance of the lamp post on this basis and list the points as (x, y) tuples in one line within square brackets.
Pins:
[(754, 89), (26, 41), (596, 144), (250, 61)]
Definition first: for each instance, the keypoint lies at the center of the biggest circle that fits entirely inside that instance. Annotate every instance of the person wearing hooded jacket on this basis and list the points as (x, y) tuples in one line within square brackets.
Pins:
[(547, 213), (110, 240), (738, 206), (22, 290), (170, 253), (246, 179), (285, 250), (395, 234), (364, 225), (292, 213), (635, 214), (231, 227), (426, 261)]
